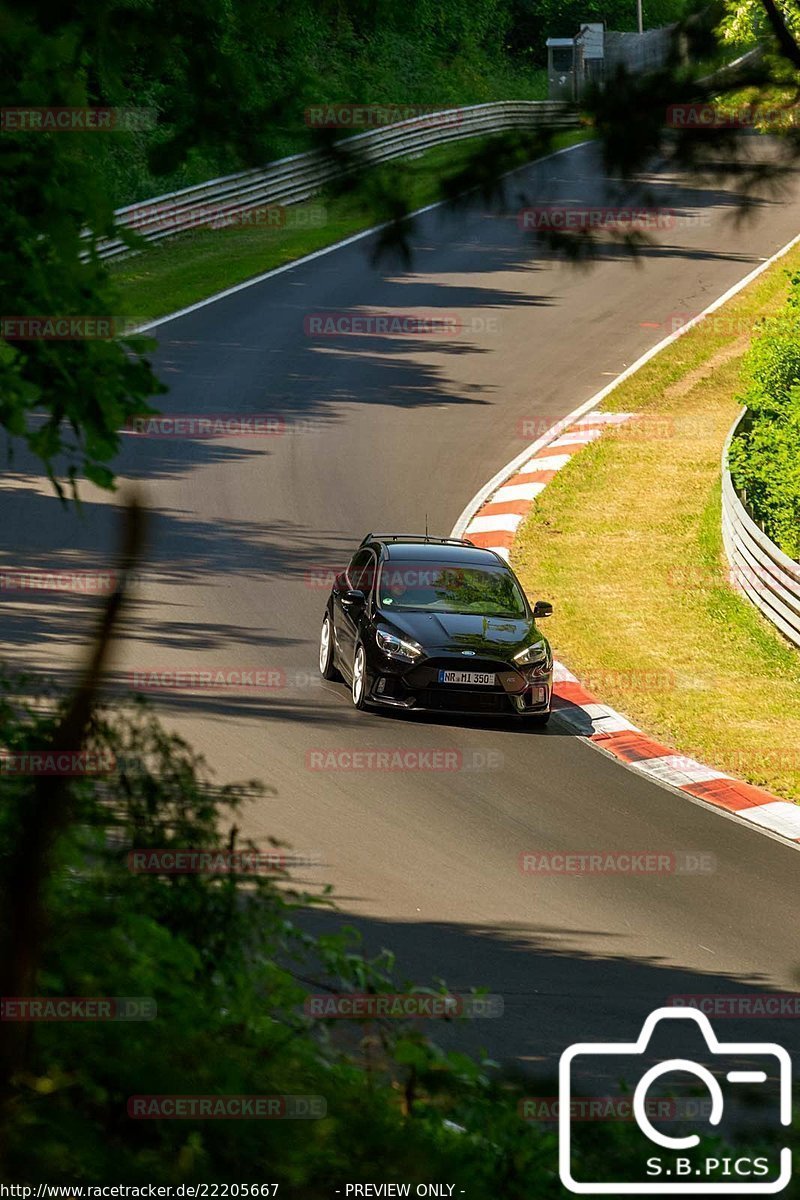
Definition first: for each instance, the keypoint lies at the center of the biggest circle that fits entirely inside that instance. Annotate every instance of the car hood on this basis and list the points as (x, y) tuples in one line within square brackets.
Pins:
[(456, 632)]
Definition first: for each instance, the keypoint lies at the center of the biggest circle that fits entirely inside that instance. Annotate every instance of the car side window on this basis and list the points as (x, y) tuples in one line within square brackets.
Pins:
[(361, 572)]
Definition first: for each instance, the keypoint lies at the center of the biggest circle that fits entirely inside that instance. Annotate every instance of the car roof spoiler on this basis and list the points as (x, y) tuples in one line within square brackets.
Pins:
[(416, 537)]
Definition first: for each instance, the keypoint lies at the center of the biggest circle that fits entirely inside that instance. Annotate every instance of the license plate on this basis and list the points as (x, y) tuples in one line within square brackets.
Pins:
[(473, 678)]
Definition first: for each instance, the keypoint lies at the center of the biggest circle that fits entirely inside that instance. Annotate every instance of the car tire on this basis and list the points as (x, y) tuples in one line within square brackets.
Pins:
[(358, 690), (327, 656)]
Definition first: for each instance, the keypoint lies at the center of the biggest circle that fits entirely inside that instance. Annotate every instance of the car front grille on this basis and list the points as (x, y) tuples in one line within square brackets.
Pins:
[(461, 699)]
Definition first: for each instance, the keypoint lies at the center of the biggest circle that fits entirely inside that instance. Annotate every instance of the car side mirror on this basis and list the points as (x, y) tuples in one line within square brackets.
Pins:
[(352, 600), (542, 608)]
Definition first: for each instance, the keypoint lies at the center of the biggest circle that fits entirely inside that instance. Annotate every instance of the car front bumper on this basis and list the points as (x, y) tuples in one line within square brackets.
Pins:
[(415, 687)]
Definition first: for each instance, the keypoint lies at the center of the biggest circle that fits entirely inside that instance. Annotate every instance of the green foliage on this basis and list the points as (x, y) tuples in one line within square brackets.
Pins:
[(228, 965), (227, 82), (772, 365), (280, 58), (65, 398), (221, 956), (744, 21), (533, 21), (765, 462), (765, 456)]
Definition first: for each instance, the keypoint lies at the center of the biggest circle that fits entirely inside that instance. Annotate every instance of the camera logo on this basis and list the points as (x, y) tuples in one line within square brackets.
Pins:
[(676, 1169)]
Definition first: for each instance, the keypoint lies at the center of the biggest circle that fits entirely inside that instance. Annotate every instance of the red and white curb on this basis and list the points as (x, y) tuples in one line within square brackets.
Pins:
[(494, 524), (504, 504)]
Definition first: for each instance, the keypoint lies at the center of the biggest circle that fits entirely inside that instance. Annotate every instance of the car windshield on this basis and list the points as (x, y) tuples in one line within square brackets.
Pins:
[(440, 587)]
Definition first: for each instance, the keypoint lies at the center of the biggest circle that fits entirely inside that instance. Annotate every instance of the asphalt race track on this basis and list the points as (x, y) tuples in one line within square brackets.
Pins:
[(381, 431)]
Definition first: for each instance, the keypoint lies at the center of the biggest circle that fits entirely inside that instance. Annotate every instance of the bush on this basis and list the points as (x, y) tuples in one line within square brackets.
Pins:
[(221, 956), (772, 366), (306, 54), (765, 463), (765, 455)]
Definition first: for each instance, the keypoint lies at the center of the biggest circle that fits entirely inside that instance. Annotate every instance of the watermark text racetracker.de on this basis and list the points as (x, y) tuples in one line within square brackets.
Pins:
[(226, 1108), (220, 425), (364, 1006), (569, 218), (747, 116), (403, 758), (14, 580), (223, 677), (743, 1004), (329, 324), (395, 580), (75, 119), (200, 679), (634, 680), (612, 1108), (207, 425), (78, 1008), (636, 426), (617, 862), (376, 116), (57, 762), (65, 327), (148, 218), (213, 861), (726, 324)]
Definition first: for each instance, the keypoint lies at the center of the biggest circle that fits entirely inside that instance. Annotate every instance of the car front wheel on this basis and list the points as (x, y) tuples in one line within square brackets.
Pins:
[(359, 690), (327, 666)]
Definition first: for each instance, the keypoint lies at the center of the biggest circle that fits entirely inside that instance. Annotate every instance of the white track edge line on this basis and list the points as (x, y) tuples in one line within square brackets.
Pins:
[(348, 241), (558, 427), (727, 813), (481, 496)]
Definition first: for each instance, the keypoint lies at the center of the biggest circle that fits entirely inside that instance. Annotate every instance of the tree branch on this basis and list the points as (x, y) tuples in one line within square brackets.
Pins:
[(50, 810), (789, 47)]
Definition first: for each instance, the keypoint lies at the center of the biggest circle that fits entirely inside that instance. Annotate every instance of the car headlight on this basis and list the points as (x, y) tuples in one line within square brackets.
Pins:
[(535, 653), (397, 647)]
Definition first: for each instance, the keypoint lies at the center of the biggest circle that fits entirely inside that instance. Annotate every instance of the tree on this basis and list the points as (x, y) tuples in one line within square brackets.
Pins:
[(231, 78)]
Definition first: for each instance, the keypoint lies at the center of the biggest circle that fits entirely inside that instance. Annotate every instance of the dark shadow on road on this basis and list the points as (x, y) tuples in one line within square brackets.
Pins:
[(553, 993)]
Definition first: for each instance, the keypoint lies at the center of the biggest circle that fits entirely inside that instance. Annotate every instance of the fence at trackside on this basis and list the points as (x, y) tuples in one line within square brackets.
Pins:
[(759, 570), (291, 180)]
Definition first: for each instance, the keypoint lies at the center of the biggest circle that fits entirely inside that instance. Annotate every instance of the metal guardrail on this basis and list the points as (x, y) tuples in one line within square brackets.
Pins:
[(759, 570), (744, 60), (290, 180)]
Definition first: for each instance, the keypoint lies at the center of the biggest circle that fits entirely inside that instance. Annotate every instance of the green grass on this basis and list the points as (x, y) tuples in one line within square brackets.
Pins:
[(181, 270), (626, 542)]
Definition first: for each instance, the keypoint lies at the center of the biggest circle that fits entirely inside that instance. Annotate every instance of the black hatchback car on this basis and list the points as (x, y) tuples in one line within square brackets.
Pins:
[(436, 624)]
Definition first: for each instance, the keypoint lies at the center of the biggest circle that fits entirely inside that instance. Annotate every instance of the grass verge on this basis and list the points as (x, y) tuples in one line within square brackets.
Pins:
[(182, 270), (626, 542)]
